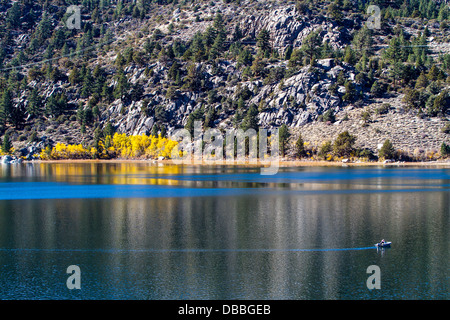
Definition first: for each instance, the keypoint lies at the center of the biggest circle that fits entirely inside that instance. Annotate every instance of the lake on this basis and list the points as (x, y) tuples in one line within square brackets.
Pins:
[(145, 231)]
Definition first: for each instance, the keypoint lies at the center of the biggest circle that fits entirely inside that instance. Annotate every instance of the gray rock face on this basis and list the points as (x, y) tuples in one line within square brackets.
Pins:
[(303, 97), (288, 28), (6, 159), (10, 160)]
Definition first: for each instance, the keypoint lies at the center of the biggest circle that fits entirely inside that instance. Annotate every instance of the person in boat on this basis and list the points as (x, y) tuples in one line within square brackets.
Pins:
[(382, 242)]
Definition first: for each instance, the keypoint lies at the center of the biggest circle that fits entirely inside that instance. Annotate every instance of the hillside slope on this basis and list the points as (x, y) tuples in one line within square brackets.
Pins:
[(150, 67)]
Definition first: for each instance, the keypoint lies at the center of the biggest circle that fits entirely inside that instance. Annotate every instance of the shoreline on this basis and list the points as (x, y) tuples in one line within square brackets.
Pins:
[(281, 163)]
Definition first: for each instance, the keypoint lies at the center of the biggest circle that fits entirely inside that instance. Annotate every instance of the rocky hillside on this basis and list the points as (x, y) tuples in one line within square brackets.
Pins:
[(153, 66)]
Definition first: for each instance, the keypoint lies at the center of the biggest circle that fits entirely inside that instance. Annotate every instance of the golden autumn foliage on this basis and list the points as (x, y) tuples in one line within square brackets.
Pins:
[(62, 151), (119, 146), (4, 153), (142, 146)]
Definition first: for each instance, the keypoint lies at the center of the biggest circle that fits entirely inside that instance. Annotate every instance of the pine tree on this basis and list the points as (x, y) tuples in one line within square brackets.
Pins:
[(387, 151), (99, 78), (250, 120), (88, 117), (363, 40), (335, 11), (445, 150), (397, 72), (173, 71), (394, 51), (296, 59), (121, 89), (13, 16), (422, 81), (237, 34), (258, 67), (219, 24), (197, 47), (311, 45), (34, 107), (284, 136), (6, 106), (325, 150), (43, 30), (107, 92), (300, 147), (209, 36), (288, 53), (108, 130), (349, 55), (343, 145), (221, 36), (56, 105), (350, 91), (209, 118), (87, 84), (136, 12), (263, 42), (197, 115), (433, 73), (412, 99), (193, 80), (6, 144), (216, 48), (441, 103), (17, 116), (376, 89), (74, 76), (245, 57)]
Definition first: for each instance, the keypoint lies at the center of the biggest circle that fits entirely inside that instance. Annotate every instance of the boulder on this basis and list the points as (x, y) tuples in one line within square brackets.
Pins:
[(6, 159)]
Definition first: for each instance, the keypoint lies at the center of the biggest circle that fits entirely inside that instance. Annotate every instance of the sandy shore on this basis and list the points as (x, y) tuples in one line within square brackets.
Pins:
[(281, 163)]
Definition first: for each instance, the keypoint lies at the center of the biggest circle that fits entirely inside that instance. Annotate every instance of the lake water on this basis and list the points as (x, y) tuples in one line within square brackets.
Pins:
[(142, 231)]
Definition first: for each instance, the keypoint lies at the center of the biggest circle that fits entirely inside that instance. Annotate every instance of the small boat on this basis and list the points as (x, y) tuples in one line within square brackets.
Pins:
[(386, 244)]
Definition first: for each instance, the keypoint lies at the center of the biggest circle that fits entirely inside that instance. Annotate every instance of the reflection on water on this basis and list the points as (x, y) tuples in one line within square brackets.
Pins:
[(115, 241)]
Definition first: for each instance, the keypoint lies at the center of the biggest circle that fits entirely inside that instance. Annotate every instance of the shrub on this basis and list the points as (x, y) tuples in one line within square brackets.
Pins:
[(329, 116), (326, 150), (120, 145), (137, 146), (366, 153), (172, 93), (343, 145), (412, 99), (366, 116), (387, 151), (333, 89), (441, 103), (350, 92), (445, 150), (383, 109), (6, 145), (33, 137), (377, 89), (446, 128), (62, 151)]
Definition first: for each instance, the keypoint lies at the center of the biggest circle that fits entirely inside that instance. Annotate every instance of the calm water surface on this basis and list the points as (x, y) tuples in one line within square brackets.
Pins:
[(140, 231)]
